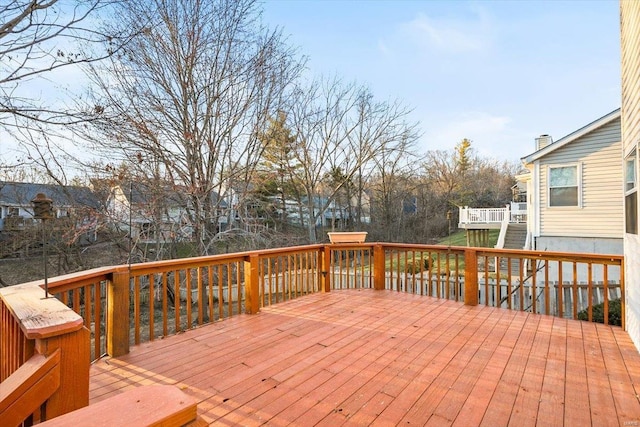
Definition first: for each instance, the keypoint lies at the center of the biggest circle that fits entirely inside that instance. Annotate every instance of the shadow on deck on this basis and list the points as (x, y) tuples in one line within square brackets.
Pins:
[(378, 357)]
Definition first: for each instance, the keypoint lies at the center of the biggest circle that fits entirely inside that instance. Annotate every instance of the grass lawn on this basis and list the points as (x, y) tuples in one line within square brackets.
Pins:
[(459, 238)]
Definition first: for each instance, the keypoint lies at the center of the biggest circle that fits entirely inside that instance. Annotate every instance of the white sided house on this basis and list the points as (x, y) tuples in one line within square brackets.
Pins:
[(575, 190)]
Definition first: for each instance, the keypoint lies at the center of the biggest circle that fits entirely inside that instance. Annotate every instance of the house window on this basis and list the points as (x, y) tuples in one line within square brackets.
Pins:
[(630, 173), (631, 194), (145, 230), (564, 186), (13, 211)]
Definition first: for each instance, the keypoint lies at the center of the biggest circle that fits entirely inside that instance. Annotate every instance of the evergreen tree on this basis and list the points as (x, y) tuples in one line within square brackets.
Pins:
[(278, 164)]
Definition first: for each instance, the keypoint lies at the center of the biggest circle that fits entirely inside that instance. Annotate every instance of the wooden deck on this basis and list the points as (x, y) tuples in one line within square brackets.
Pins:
[(361, 357)]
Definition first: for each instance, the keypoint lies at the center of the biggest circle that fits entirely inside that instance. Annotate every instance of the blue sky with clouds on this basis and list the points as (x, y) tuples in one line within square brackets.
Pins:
[(497, 72)]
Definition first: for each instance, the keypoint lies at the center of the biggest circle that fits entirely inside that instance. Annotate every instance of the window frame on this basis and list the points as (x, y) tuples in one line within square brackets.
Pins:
[(631, 193), (578, 185)]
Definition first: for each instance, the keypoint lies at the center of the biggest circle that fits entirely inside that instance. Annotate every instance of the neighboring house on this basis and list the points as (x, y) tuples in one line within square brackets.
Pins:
[(569, 199), (69, 202), (337, 215), (153, 214), (148, 214), (574, 190)]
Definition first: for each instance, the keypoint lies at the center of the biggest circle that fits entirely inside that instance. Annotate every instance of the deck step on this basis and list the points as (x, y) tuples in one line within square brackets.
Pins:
[(516, 236), (152, 405)]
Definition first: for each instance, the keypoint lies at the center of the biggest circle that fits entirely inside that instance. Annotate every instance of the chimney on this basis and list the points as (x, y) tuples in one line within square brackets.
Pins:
[(542, 141)]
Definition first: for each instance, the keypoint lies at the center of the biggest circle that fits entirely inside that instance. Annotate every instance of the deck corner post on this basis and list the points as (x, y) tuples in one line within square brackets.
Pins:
[(75, 357), (118, 322), (378, 267), (470, 276), (252, 292)]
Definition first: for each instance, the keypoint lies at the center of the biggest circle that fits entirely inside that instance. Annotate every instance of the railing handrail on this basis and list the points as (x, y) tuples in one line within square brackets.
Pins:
[(490, 215), (503, 232), (611, 259), (103, 273), (58, 283), (37, 316)]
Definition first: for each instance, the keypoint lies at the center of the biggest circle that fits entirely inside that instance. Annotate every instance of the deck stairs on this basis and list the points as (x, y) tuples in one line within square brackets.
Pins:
[(515, 238)]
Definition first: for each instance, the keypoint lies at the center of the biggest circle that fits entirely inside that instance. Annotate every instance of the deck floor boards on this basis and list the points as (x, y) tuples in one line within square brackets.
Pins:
[(364, 357)]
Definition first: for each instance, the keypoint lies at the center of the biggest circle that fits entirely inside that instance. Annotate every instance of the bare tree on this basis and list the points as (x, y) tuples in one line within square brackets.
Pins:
[(460, 178), (382, 129), (192, 94), (393, 186), (41, 42), (340, 128)]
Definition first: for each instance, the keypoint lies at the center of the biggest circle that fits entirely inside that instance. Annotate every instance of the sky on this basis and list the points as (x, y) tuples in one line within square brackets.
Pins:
[(499, 73)]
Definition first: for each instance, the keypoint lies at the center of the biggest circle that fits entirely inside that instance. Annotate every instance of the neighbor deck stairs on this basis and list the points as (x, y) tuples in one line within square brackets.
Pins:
[(515, 238)]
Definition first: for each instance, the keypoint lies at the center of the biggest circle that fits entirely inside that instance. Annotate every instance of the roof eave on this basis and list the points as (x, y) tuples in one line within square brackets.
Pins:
[(615, 114)]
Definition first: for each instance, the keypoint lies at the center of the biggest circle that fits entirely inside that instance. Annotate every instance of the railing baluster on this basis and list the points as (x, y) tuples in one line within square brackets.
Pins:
[(97, 328), (590, 291), (547, 301), (136, 309), (187, 273), (521, 265), (261, 280), (509, 282), (291, 269), (534, 296), (229, 290), (86, 303), (398, 277), (176, 300), (220, 282), (76, 300), (437, 278), (486, 280), (239, 288), (165, 305), (575, 290), (498, 283), (152, 279), (201, 299), (269, 275), (560, 312), (605, 286), (457, 277)]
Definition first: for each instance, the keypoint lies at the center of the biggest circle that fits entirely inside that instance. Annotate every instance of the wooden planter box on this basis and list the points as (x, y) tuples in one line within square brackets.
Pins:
[(347, 237)]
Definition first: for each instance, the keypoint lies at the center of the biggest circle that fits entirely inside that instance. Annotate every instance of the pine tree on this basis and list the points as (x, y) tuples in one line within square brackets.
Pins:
[(278, 164)]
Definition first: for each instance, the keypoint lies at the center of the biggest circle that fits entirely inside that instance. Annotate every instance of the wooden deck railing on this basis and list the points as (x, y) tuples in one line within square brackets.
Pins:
[(124, 305), (44, 369)]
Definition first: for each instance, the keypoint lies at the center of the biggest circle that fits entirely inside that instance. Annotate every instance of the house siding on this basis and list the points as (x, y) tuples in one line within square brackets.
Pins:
[(601, 212), (630, 54)]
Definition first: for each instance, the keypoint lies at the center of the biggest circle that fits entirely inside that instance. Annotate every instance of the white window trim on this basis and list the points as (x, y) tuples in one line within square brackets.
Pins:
[(631, 155), (578, 165)]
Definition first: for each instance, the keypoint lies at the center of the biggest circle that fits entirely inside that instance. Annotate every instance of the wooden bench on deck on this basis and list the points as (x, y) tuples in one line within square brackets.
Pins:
[(152, 405)]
